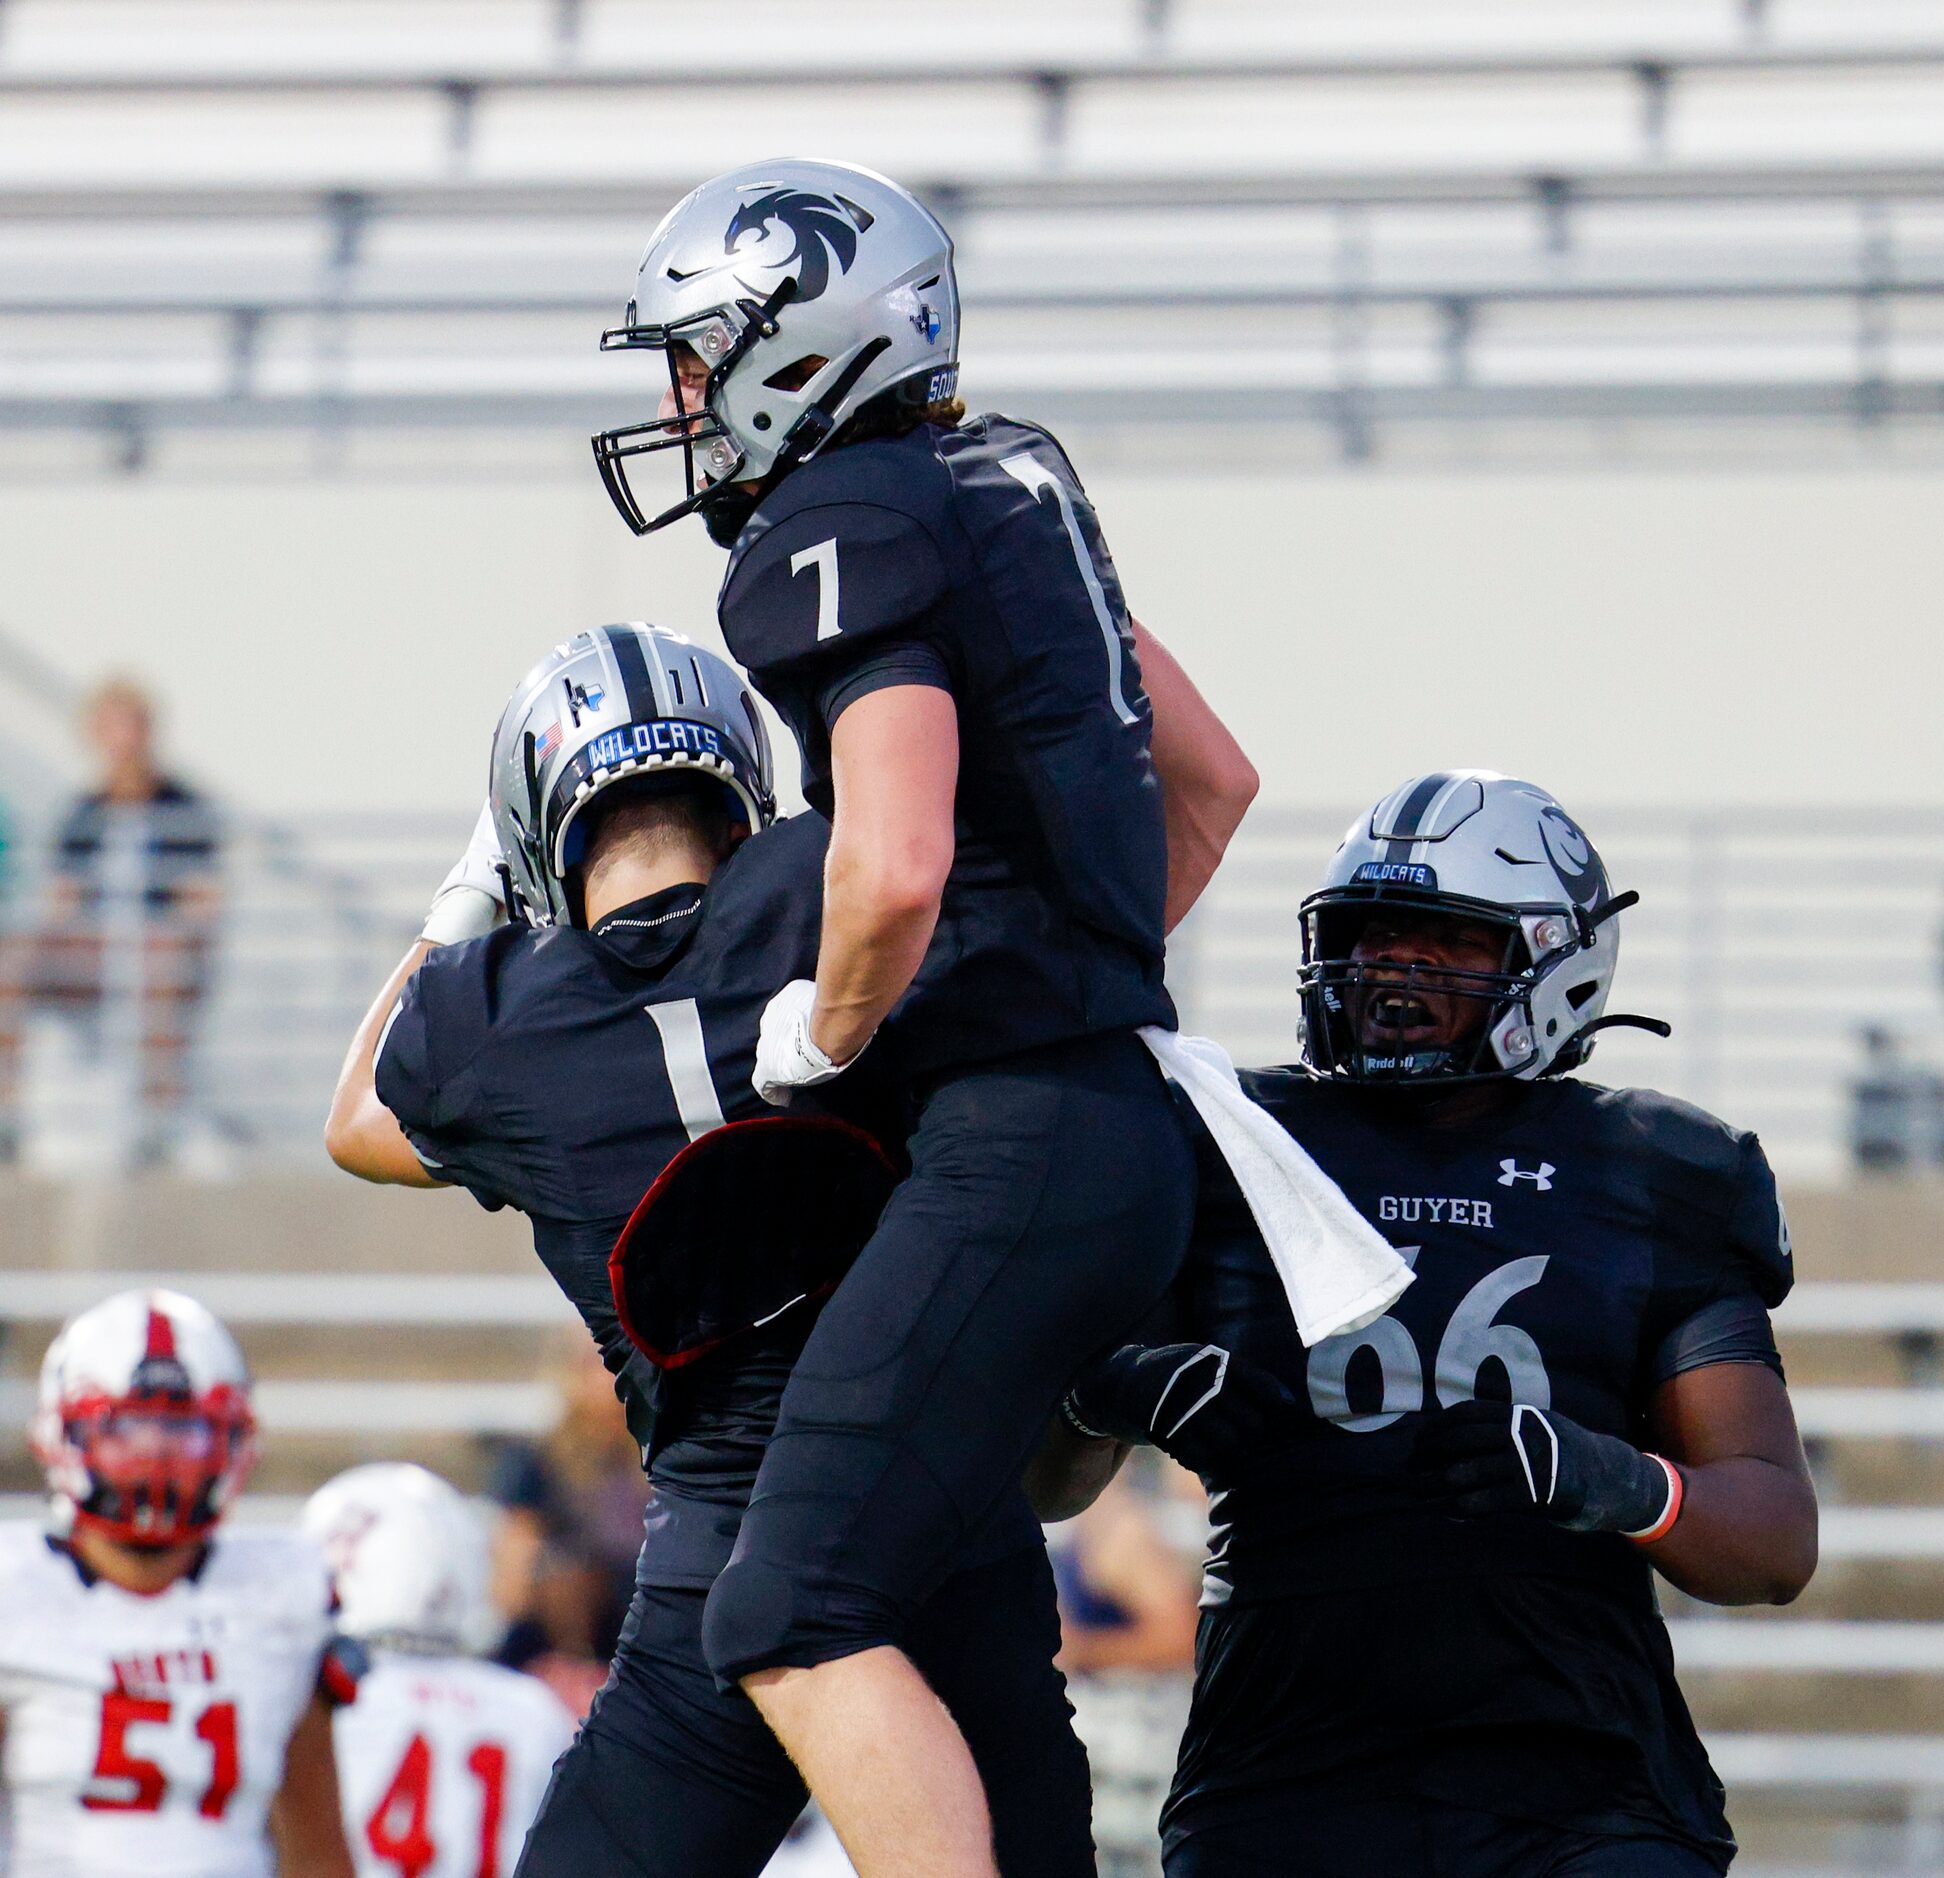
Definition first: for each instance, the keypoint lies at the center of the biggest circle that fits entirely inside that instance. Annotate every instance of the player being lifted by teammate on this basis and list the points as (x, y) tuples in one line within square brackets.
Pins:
[(601, 1051), (443, 1758), (166, 1683), (1430, 1642), (929, 603)]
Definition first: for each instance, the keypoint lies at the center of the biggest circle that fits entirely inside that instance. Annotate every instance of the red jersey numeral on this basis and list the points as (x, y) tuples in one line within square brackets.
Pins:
[(120, 1712), (487, 1764), (399, 1830), (218, 1728)]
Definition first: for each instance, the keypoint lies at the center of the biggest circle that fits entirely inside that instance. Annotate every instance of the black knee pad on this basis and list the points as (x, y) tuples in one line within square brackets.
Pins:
[(746, 1624), (760, 1616)]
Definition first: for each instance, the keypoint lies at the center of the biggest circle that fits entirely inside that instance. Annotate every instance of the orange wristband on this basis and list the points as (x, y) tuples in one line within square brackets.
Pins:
[(1676, 1491)]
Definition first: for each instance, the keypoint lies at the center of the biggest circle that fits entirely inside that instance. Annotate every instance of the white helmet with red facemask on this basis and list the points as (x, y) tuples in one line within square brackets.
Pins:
[(144, 1423)]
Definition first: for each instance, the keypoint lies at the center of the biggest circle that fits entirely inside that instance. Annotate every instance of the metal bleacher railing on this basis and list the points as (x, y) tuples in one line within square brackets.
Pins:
[(1356, 223), (1770, 938)]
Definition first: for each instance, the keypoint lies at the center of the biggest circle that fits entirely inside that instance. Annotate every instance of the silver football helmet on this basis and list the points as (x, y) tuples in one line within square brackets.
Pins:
[(614, 703), (1485, 848), (807, 289)]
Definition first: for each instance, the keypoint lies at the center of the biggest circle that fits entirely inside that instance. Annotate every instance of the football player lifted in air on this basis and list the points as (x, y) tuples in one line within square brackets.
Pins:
[(443, 1758), (1430, 1641), (166, 1683), (929, 603), (600, 1050)]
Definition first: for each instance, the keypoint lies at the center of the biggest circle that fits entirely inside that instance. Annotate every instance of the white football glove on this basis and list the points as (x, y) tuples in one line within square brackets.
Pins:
[(468, 903), (786, 1058)]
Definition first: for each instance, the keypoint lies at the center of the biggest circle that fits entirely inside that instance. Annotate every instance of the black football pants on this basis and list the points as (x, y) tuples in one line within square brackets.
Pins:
[(1410, 1838), (1047, 1210), (672, 1778)]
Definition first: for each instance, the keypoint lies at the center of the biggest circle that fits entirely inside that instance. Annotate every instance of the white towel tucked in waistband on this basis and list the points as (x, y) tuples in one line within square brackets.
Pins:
[(1338, 1270)]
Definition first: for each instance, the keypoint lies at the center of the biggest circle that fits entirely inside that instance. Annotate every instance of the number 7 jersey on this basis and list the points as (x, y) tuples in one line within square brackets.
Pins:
[(146, 1735), (969, 560)]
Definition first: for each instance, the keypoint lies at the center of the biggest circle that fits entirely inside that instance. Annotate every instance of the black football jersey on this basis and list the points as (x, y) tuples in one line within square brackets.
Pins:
[(558, 1071), (970, 559), (1560, 1247)]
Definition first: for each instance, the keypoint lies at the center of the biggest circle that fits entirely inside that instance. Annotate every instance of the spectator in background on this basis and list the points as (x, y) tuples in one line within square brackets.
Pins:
[(1128, 1599), (133, 904), (564, 1551)]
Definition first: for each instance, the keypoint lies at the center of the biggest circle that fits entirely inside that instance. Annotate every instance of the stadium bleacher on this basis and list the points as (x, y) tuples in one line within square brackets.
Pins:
[(385, 1325), (1484, 215)]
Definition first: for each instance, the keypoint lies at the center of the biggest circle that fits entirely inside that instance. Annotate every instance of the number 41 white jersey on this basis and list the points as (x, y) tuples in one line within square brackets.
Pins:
[(442, 1762), (146, 1735)]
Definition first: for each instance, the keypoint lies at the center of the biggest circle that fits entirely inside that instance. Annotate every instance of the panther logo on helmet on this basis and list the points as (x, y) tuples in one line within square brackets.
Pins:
[(822, 228), (1572, 856)]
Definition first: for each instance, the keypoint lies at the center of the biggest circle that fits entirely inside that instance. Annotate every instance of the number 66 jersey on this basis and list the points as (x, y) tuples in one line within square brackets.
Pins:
[(1574, 1248), (146, 1735)]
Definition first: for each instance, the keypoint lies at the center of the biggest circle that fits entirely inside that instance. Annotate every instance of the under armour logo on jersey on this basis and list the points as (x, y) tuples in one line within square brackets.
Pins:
[(1511, 1173)]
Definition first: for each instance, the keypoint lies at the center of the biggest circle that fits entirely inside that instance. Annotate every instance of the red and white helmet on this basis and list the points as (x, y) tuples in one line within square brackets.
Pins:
[(144, 1423), (407, 1556)]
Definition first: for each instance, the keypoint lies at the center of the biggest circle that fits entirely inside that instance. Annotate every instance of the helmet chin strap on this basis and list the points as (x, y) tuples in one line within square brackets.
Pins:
[(812, 430)]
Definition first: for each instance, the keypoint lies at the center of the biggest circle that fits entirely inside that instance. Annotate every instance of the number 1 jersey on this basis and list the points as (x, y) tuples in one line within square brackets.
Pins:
[(145, 1736)]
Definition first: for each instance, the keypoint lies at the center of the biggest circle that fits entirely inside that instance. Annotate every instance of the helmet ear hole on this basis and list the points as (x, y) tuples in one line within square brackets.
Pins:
[(797, 374)]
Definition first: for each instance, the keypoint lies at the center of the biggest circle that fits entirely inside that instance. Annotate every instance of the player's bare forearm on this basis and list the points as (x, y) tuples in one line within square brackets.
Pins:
[(1069, 1471), (306, 1820), (894, 775), (1207, 783), (361, 1135), (1747, 1528)]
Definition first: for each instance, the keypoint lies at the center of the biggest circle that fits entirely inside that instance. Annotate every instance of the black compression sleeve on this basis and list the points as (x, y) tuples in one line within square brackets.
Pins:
[(1730, 1330)]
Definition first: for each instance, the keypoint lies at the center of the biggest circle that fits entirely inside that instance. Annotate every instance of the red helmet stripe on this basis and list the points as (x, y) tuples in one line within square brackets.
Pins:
[(161, 1336)]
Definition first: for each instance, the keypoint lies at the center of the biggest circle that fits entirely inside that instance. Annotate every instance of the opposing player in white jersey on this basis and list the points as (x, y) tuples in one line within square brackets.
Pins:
[(444, 1758), (165, 1686)]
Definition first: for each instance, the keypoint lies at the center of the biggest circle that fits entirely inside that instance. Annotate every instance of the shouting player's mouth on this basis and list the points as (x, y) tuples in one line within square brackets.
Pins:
[(1427, 981), (1399, 1018)]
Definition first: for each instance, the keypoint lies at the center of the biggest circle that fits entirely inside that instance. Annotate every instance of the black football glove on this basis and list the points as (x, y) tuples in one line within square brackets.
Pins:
[(1196, 1402), (1509, 1457)]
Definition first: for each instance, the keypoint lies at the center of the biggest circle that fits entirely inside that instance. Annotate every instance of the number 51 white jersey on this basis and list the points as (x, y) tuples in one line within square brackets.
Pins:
[(442, 1762), (146, 1735)]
